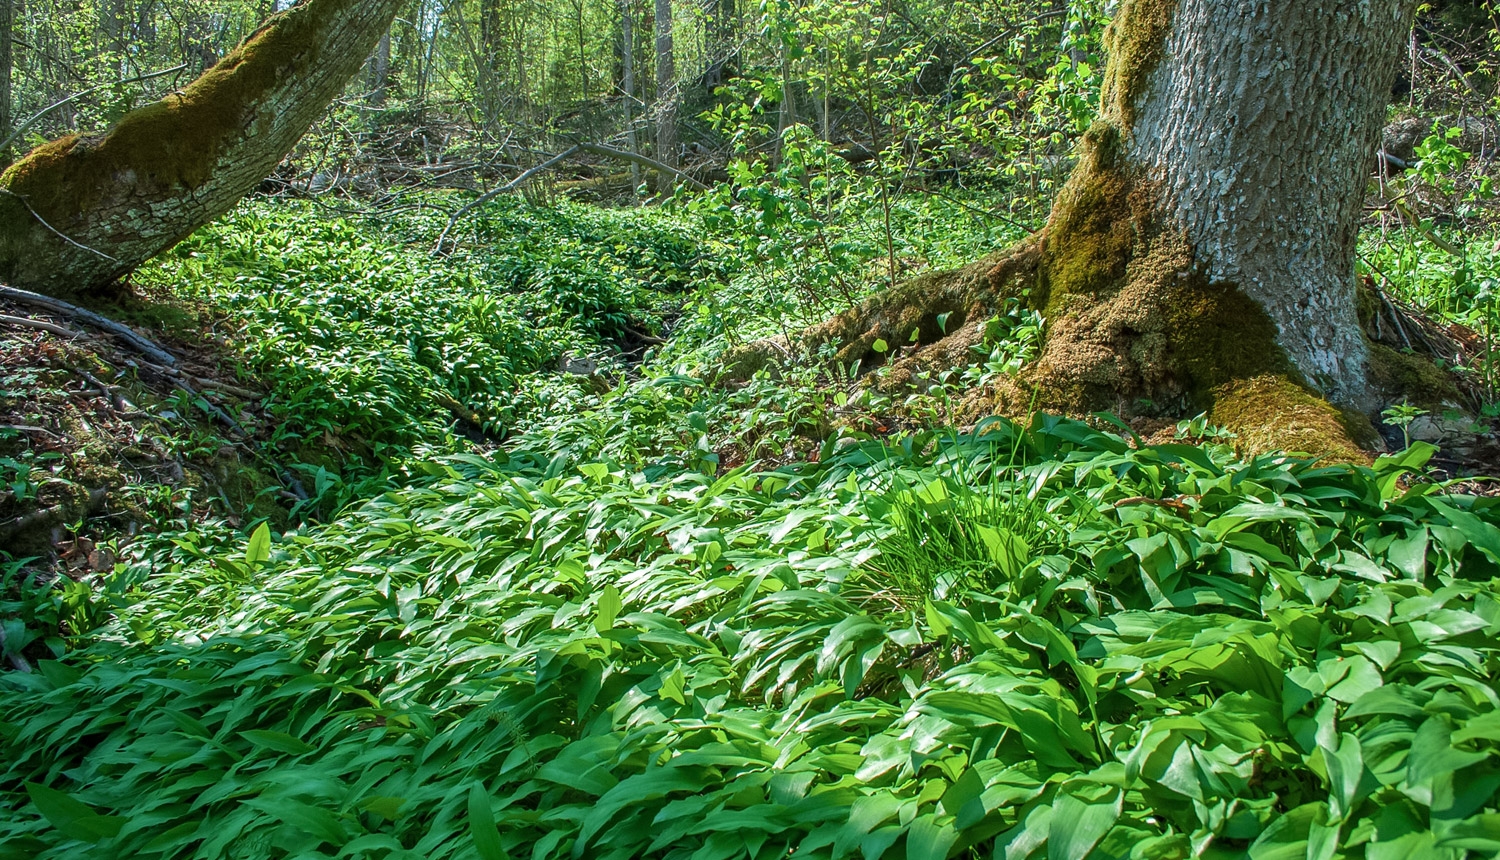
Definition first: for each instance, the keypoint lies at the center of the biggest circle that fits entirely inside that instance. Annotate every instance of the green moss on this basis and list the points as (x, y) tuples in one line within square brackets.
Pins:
[(1136, 43), (1132, 315), (1091, 233), (247, 491), (1413, 378), (1274, 413)]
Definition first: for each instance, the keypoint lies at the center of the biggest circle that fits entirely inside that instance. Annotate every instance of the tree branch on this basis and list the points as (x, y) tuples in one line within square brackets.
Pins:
[(642, 160), (491, 195)]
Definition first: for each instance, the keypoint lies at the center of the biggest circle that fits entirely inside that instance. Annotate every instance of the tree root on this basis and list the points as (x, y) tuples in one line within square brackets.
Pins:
[(61, 308)]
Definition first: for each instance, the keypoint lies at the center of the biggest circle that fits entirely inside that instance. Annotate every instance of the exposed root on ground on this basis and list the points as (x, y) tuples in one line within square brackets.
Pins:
[(96, 439)]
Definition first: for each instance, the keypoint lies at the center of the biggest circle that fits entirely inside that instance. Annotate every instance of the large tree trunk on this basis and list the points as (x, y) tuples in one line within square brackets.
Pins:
[(1201, 255), (1254, 136), (80, 212)]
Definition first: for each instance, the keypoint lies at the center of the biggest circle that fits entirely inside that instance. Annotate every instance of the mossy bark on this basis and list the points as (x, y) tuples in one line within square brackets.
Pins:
[(80, 212), (1200, 257)]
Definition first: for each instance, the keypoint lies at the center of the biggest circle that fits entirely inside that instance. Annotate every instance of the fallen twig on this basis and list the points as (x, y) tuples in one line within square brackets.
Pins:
[(62, 308), (40, 325)]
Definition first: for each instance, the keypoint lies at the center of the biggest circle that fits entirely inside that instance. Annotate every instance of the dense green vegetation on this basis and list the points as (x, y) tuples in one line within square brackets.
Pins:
[(1044, 637), (616, 637), (552, 585)]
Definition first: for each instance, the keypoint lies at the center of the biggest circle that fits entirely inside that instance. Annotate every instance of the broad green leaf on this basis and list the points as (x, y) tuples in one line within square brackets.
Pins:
[(71, 817), (259, 548), (1077, 824), (277, 742), (930, 838), (482, 828), (608, 609)]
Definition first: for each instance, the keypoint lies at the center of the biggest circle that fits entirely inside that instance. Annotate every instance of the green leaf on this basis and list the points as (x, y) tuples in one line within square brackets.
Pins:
[(259, 548), (673, 686), (388, 808), (930, 838), (608, 609), (71, 817), (1346, 766), (1078, 825), (880, 345), (277, 741), (317, 821), (482, 827)]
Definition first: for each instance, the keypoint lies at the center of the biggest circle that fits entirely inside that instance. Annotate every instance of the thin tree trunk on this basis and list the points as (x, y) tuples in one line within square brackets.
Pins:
[(80, 212), (380, 71), (666, 86), (627, 83), (7, 27)]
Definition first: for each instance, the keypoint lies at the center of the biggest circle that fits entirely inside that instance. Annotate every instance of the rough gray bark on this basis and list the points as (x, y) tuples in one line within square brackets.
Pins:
[(380, 71), (666, 86), (1259, 124), (80, 212)]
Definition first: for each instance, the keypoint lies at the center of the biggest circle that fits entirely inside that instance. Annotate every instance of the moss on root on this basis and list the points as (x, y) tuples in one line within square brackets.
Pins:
[(946, 310), (1413, 378), (1274, 413), (1134, 323)]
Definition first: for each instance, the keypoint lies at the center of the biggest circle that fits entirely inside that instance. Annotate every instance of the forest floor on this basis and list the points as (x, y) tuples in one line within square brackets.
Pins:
[(423, 566)]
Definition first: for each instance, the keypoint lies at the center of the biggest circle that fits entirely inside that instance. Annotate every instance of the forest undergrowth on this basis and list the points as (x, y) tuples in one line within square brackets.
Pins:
[(624, 610)]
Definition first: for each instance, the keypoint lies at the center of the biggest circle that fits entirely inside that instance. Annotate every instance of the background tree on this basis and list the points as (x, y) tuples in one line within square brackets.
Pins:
[(7, 32), (666, 86), (82, 211)]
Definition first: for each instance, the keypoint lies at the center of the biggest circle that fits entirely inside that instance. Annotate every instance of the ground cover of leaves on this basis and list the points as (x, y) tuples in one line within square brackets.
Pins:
[(1047, 642)]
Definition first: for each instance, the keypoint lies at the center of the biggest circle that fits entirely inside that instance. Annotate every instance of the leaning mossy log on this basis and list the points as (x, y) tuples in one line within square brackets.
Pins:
[(83, 211), (1201, 255)]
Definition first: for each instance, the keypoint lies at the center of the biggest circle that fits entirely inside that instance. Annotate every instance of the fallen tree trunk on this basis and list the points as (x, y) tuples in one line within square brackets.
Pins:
[(83, 211), (553, 161)]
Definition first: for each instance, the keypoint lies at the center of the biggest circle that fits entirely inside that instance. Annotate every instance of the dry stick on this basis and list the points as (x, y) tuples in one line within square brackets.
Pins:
[(491, 195), (25, 322), (1416, 222), (62, 308), (611, 152), (54, 231), (1386, 300), (211, 384)]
